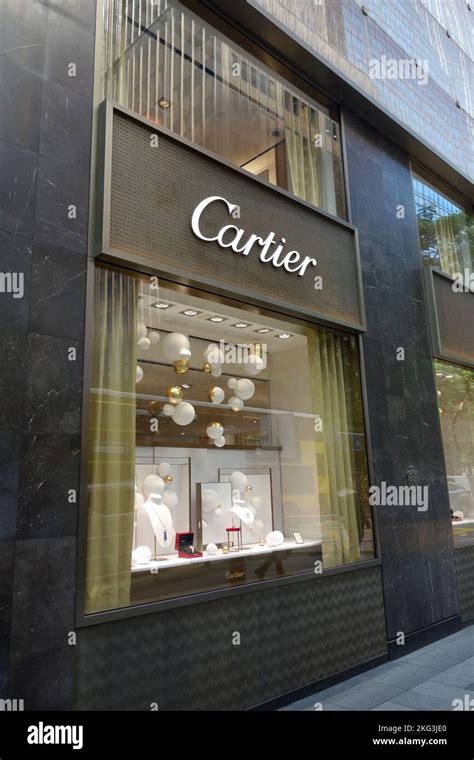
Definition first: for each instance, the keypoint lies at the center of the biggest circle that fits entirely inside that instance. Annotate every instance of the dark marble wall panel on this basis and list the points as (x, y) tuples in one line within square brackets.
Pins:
[(416, 547), (45, 141)]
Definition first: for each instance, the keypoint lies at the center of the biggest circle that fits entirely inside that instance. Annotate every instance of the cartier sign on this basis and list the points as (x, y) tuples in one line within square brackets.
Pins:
[(178, 211), (238, 240)]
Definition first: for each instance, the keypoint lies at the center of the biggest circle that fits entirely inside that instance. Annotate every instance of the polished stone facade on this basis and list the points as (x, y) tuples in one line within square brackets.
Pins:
[(45, 142)]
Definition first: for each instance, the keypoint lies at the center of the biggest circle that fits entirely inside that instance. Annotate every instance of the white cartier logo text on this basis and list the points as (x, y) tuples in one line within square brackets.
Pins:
[(231, 236)]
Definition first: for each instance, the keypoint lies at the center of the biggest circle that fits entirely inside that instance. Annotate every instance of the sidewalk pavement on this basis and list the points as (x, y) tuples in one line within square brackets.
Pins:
[(429, 679)]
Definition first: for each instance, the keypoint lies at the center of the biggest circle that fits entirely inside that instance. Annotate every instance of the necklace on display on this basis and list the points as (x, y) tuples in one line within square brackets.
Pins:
[(159, 515)]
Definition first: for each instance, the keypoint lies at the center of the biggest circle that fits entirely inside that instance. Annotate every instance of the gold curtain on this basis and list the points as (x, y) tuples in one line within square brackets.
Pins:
[(340, 518), (112, 443), (449, 254), (303, 157)]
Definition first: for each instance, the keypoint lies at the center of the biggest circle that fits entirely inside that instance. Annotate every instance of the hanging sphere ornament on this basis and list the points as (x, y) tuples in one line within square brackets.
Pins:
[(220, 442), (168, 479), (215, 430), (213, 355), (245, 389), (168, 410), (216, 395), (153, 484), (248, 489), (139, 374), (216, 371), (239, 481), (141, 330), (154, 337), (175, 395), (181, 366), (173, 344), (232, 383), (170, 498), (144, 344), (236, 404), (256, 502), (218, 512), (185, 354), (184, 413), (164, 469), (207, 368), (254, 364), (209, 500), (154, 408)]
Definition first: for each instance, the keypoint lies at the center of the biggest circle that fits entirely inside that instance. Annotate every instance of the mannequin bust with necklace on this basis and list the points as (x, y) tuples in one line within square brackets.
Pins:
[(161, 521)]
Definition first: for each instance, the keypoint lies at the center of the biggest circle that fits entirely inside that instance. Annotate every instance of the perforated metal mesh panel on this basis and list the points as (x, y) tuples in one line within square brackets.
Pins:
[(455, 319), (155, 190)]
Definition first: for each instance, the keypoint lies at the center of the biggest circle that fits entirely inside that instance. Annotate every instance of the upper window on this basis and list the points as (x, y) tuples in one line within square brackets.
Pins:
[(446, 231), (166, 64)]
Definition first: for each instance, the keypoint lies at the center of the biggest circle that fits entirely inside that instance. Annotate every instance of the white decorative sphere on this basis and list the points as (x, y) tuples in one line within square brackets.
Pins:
[(245, 389), (185, 354), (139, 500), (239, 480), (173, 344), (164, 469), (232, 383), (218, 512), (139, 374), (258, 526), (168, 410), (236, 404), (213, 355), (141, 330), (256, 502), (184, 413), (220, 443), (254, 364), (211, 549), (215, 431), (217, 395), (275, 538), (154, 337), (144, 344), (216, 371), (209, 500), (153, 484), (141, 555), (170, 498)]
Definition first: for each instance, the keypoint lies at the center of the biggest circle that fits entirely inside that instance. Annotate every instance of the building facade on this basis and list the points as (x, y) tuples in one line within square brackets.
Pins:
[(238, 403)]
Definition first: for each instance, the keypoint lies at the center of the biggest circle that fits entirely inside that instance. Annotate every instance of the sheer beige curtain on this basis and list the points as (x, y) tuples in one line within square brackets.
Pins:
[(112, 443), (340, 519), (304, 159), (449, 253)]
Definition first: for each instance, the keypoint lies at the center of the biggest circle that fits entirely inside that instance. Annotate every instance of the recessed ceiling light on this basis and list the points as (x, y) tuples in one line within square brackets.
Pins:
[(162, 305), (216, 319), (263, 330), (449, 377), (191, 313), (242, 325), (164, 103), (185, 386), (284, 336)]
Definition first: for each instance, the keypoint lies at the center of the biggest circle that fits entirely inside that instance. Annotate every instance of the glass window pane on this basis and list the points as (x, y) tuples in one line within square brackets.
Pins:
[(235, 432)]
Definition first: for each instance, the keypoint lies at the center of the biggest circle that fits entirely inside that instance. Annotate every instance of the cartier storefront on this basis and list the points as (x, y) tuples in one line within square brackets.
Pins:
[(228, 470)]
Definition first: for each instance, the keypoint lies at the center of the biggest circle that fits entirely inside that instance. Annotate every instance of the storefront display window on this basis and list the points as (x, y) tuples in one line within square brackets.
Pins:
[(227, 445), (167, 65), (455, 387), (446, 231)]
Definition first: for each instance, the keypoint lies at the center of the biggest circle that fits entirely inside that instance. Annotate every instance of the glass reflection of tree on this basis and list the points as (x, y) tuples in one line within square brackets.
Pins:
[(455, 399)]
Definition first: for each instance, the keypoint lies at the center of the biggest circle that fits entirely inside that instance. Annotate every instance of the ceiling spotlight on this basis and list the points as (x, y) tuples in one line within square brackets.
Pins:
[(449, 377), (263, 330), (164, 103), (162, 305), (190, 313), (216, 319), (185, 386), (284, 336), (242, 325)]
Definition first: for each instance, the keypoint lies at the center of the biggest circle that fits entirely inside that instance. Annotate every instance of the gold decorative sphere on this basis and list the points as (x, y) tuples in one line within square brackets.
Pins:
[(225, 549), (207, 368), (181, 366), (168, 479), (215, 425), (154, 408), (175, 395), (248, 489)]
